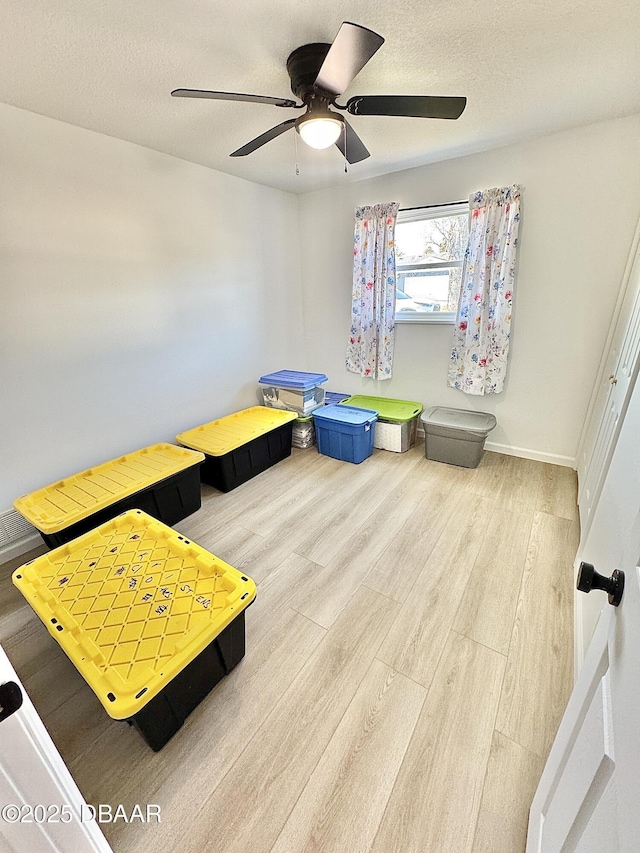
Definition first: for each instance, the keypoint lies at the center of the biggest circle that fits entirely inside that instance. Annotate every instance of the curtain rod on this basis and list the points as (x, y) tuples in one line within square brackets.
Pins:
[(427, 206)]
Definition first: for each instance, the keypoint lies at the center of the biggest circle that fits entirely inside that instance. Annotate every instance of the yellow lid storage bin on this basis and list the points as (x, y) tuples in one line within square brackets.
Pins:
[(151, 620), (163, 480), (241, 445)]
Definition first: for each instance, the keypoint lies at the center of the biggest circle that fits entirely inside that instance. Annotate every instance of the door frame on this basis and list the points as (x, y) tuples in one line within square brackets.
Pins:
[(87, 837), (591, 413)]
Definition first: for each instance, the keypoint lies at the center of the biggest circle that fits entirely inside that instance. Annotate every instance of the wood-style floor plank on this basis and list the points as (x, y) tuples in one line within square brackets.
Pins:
[(54, 683), (488, 606), (79, 722), (513, 774), (324, 542), (530, 486), (417, 637), (486, 480), (333, 585), (277, 593), (436, 798), (540, 661), (29, 649), (232, 543), (304, 496), (291, 478), (358, 769), (395, 571), (266, 555)]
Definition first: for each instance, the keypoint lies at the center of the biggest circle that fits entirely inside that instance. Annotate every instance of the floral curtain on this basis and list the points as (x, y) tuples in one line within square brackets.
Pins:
[(481, 337), (373, 309)]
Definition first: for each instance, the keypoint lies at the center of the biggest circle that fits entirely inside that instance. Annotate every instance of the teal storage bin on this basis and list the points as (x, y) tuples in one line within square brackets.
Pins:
[(345, 432)]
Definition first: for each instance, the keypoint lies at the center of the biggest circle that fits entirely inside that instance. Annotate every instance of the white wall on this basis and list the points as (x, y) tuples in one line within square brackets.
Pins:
[(140, 295), (581, 201)]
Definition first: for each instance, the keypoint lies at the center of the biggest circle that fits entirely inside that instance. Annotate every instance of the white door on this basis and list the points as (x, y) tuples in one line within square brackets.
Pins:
[(588, 799), (612, 396), (41, 808)]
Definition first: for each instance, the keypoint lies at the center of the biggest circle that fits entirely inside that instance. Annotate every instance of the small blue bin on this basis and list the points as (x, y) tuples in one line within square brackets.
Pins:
[(344, 432), (331, 397)]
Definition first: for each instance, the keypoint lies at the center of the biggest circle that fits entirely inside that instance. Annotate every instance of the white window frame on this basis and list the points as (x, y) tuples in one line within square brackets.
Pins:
[(418, 215)]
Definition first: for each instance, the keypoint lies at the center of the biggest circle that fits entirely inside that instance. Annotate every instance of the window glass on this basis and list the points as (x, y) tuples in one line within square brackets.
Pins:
[(430, 247)]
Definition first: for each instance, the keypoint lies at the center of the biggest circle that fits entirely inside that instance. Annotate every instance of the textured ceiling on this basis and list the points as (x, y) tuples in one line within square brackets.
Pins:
[(526, 69)]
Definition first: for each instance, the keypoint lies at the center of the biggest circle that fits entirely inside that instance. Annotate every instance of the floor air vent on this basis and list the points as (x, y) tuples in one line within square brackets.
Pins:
[(14, 527)]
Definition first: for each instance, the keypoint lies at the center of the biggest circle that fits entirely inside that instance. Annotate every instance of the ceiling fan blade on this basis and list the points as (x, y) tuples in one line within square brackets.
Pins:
[(352, 48), (233, 96), (420, 106), (351, 146), (261, 140)]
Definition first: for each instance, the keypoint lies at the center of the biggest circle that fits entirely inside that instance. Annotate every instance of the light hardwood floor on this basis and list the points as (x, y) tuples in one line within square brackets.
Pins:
[(409, 656)]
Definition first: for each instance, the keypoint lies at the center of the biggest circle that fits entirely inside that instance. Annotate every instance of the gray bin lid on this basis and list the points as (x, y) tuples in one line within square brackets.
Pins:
[(479, 422)]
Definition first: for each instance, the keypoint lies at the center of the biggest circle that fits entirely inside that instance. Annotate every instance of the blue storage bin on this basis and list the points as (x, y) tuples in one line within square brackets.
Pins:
[(344, 432), (331, 397)]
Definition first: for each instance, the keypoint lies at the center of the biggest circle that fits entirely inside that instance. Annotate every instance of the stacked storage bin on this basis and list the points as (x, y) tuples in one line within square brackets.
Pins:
[(397, 423), (304, 433), (293, 390)]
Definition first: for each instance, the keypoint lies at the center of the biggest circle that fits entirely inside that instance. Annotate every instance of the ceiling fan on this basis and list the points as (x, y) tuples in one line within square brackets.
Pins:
[(319, 74)]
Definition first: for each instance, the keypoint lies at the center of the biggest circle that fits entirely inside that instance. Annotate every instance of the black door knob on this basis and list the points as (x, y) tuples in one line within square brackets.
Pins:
[(589, 579), (10, 699)]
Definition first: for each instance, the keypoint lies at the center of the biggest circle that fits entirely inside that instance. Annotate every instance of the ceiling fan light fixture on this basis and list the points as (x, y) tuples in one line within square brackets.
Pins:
[(320, 73), (320, 131)]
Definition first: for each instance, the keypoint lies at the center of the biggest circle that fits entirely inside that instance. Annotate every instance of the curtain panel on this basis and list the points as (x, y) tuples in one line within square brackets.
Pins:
[(482, 332), (373, 307)]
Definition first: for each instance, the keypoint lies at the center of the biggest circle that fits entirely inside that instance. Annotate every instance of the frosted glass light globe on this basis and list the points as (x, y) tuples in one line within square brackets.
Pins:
[(320, 132)]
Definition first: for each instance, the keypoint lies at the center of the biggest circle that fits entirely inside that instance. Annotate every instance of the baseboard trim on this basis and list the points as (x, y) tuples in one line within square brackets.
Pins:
[(22, 546), (526, 453)]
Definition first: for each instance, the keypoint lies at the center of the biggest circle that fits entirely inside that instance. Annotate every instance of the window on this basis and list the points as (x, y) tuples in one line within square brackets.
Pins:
[(430, 247)]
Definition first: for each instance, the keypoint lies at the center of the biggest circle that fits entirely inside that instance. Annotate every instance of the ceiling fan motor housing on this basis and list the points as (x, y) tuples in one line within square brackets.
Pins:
[(303, 66)]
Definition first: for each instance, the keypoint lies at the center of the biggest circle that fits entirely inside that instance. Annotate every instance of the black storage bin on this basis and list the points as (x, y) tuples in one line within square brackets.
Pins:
[(169, 501), (161, 717), (240, 446), (162, 480), (151, 620), (231, 470)]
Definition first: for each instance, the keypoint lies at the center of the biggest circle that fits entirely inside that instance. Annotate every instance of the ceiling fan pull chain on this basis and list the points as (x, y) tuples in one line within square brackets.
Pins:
[(344, 130), (295, 142)]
